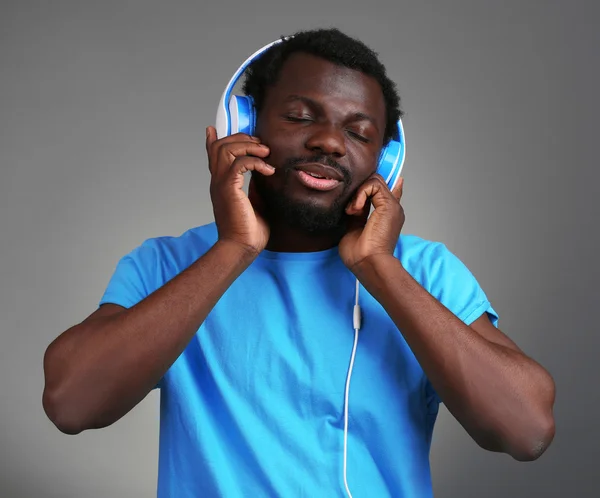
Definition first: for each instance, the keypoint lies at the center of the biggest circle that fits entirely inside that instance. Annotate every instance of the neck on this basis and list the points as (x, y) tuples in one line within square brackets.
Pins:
[(284, 238)]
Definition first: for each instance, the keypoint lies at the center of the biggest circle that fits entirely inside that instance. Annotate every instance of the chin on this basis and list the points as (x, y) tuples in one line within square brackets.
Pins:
[(311, 216), (314, 214)]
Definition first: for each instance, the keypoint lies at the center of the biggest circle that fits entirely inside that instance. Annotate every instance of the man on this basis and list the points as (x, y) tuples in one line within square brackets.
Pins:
[(244, 324)]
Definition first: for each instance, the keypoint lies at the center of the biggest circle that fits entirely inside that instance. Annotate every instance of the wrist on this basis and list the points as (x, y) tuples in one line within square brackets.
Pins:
[(374, 266), (243, 253)]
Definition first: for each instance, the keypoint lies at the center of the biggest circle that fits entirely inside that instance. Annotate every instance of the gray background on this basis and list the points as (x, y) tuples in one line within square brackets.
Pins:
[(103, 107)]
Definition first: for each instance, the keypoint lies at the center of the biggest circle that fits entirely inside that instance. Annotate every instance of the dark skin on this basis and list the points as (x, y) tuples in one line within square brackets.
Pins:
[(101, 368), (298, 122)]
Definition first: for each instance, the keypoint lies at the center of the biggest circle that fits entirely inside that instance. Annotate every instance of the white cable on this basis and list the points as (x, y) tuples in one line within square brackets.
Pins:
[(356, 322)]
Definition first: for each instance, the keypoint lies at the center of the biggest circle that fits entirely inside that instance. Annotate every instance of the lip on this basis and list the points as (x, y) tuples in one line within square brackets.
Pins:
[(316, 184), (321, 170)]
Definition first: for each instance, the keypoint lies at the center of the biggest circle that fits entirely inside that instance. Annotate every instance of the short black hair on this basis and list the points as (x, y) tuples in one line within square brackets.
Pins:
[(334, 46)]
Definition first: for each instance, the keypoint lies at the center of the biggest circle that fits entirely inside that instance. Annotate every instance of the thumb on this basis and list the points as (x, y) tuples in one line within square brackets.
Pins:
[(211, 137)]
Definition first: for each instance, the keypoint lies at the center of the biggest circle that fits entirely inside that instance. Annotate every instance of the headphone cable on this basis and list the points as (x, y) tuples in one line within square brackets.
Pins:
[(356, 319)]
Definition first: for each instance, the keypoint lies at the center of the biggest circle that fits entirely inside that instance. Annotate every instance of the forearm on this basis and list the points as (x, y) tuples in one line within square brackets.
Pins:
[(100, 369), (501, 397)]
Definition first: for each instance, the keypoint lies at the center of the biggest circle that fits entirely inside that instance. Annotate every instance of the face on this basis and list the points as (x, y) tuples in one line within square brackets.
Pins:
[(318, 114)]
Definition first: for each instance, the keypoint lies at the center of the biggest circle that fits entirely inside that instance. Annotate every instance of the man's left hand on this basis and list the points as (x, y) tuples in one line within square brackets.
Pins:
[(375, 235)]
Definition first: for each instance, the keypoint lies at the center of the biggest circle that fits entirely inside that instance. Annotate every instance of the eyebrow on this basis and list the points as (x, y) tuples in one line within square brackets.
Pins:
[(357, 116)]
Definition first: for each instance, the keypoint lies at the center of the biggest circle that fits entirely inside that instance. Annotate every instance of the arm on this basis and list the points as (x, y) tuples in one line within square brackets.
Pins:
[(98, 370), (501, 397)]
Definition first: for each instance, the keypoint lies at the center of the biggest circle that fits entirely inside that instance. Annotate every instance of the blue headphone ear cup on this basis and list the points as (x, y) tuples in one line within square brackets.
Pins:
[(391, 159), (388, 160), (252, 114), (243, 115)]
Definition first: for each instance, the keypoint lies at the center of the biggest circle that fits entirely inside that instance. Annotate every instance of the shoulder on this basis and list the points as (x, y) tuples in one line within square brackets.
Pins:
[(422, 257), (165, 256), (444, 275), (154, 262), (190, 244)]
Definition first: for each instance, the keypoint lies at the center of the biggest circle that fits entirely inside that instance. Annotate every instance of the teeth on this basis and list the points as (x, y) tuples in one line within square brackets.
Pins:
[(316, 176)]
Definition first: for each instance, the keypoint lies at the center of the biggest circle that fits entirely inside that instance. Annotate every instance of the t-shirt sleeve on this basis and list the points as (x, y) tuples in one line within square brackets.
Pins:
[(453, 284), (133, 279)]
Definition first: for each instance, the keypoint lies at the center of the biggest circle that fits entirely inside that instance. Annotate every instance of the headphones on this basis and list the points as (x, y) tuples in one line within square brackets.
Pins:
[(237, 114)]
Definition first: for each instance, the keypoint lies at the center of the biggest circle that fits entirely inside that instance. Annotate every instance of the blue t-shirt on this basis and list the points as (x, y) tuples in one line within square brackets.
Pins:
[(254, 406)]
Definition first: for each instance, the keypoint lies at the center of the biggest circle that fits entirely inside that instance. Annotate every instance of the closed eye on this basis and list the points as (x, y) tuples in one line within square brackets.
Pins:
[(358, 137), (296, 119)]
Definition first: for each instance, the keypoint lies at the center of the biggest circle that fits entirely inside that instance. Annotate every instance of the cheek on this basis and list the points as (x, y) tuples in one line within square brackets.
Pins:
[(364, 163), (283, 148), (275, 139)]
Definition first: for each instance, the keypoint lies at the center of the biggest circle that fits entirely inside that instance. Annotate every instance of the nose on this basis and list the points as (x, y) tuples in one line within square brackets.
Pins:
[(327, 139)]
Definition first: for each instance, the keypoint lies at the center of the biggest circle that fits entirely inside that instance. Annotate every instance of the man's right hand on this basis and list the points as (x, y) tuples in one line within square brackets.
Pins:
[(238, 219)]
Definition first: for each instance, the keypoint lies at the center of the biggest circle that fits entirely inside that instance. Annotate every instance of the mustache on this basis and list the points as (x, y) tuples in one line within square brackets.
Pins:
[(293, 162)]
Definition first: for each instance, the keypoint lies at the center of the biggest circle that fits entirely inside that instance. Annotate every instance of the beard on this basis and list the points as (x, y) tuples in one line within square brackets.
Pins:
[(304, 215)]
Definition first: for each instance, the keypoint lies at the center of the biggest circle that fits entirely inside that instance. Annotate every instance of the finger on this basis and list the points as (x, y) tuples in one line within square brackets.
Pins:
[(371, 190), (398, 188), (236, 137), (211, 138), (381, 193), (236, 149), (255, 199), (358, 201), (358, 217), (248, 163), (226, 154)]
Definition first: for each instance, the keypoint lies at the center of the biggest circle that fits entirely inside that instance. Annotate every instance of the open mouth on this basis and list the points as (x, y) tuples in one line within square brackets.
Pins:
[(316, 182), (318, 176)]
